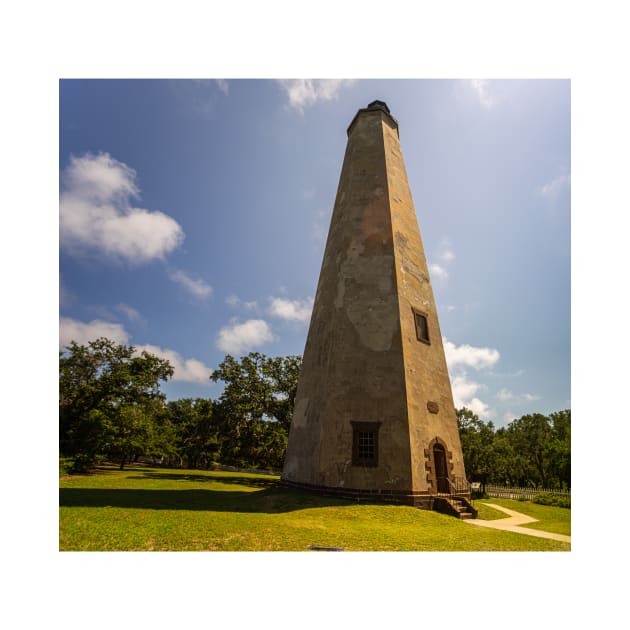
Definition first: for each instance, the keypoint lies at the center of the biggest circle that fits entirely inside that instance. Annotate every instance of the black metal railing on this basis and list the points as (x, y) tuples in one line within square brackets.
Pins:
[(454, 486)]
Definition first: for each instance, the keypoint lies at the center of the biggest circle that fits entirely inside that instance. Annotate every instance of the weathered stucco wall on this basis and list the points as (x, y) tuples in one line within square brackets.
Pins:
[(362, 361), (426, 374)]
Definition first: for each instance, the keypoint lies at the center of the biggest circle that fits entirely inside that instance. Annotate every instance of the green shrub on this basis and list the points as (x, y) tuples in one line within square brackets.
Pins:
[(65, 464), (553, 499)]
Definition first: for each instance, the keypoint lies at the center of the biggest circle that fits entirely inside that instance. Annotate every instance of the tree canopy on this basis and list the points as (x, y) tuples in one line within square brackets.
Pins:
[(107, 395), (111, 406), (532, 450)]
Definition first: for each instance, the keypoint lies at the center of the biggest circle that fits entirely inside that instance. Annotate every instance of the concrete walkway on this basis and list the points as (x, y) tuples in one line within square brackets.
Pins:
[(512, 524)]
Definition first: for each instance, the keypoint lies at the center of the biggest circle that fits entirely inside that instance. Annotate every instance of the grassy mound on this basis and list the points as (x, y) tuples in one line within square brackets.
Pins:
[(148, 509)]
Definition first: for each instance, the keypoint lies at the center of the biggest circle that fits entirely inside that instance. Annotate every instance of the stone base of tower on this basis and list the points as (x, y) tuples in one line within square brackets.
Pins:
[(422, 500)]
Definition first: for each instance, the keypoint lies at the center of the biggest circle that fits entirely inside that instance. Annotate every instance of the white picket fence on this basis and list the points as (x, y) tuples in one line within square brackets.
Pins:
[(513, 492)]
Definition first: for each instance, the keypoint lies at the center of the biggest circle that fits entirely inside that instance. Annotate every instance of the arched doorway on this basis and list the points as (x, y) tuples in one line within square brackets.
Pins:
[(441, 469)]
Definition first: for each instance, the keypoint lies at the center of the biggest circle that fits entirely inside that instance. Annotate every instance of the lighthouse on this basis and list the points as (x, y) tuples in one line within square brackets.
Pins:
[(374, 415)]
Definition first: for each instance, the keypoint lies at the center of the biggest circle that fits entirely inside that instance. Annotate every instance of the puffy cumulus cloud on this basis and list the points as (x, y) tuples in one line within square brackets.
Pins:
[(469, 356), (95, 213), (81, 332), (464, 392), (238, 338), (464, 389), (304, 93), (479, 408), (438, 271), (196, 286), (189, 370), (293, 310)]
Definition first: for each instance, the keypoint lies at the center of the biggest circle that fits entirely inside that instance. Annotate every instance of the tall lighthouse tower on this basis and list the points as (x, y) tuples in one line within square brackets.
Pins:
[(374, 414)]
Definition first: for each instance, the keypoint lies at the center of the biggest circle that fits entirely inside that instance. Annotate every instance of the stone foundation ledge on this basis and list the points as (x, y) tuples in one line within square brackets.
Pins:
[(421, 499)]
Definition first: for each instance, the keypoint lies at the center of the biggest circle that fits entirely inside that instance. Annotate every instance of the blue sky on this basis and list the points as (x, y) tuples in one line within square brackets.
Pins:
[(193, 217)]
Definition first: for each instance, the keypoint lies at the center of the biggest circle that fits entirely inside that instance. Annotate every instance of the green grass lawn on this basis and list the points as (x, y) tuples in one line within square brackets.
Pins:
[(151, 509), (550, 519)]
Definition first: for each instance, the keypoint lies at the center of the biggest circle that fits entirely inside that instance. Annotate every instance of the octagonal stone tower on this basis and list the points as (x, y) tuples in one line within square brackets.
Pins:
[(374, 413)]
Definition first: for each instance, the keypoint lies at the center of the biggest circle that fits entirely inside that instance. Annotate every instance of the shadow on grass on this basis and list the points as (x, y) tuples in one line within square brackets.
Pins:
[(271, 500), (253, 482)]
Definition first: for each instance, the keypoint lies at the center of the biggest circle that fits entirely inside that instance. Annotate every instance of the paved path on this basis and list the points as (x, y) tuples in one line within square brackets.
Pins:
[(513, 523)]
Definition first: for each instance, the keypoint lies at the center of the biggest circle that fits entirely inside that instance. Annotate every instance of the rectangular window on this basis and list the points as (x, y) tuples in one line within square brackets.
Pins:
[(422, 326), (365, 443)]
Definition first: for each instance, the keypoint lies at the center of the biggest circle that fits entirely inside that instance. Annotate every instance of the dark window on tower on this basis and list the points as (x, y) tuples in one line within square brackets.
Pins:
[(422, 326), (365, 443)]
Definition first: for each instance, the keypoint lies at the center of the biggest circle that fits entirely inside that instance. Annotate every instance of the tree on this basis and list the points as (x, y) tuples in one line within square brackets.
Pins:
[(534, 449), (559, 450), (107, 395), (255, 408), (477, 439), (530, 436), (195, 428), (128, 433)]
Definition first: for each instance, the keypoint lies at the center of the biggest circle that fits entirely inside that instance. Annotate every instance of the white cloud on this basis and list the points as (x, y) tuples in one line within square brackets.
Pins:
[(197, 287), (469, 356), (506, 394), (236, 302), (464, 396), (508, 416), (447, 256), (189, 370), (129, 312), (237, 338), (306, 92), (95, 212), (553, 188), (531, 397), (223, 86), (438, 272), (479, 408), (293, 310), (74, 330), (481, 89), (463, 389)]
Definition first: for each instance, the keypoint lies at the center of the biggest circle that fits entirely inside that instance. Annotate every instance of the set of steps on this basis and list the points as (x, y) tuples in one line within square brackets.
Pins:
[(459, 507), (463, 508)]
